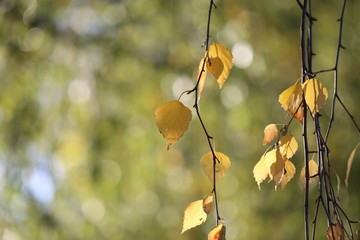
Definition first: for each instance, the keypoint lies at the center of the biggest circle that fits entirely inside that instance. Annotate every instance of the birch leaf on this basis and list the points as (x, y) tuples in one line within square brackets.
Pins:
[(288, 146), (207, 202), (337, 232), (221, 166), (270, 133), (315, 95), (194, 215), (313, 170), (290, 100), (220, 62), (172, 119), (203, 75), (260, 171), (349, 164), (217, 233), (288, 173)]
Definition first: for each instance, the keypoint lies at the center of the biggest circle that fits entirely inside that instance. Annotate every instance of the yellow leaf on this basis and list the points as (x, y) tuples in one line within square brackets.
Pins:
[(217, 233), (288, 173), (270, 165), (270, 133), (172, 119), (349, 164), (313, 170), (221, 166), (203, 75), (219, 62), (315, 95), (260, 171), (290, 100), (207, 202), (194, 215), (288, 146), (337, 232)]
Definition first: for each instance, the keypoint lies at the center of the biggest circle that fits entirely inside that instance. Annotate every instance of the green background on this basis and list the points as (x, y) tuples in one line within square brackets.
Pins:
[(80, 154)]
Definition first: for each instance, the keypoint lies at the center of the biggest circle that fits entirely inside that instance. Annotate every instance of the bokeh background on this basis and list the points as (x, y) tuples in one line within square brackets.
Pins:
[(80, 154)]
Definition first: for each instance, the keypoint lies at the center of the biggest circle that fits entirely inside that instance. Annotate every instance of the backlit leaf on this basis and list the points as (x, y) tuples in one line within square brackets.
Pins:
[(217, 233), (207, 203), (288, 173), (270, 165), (349, 164), (313, 170), (194, 215), (172, 119), (288, 146), (291, 99), (337, 232), (221, 166), (219, 62), (315, 95), (270, 133)]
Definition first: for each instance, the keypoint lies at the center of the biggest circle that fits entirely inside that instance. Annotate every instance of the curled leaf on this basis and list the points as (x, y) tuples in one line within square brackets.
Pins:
[(207, 202), (291, 99), (288, 146), (315, 95), (194, 215), (270, 133), (222, 165), (335, 232), (289, 173), (349, 164), (172, 119), (217, 233), (219, 62), (313, 170)]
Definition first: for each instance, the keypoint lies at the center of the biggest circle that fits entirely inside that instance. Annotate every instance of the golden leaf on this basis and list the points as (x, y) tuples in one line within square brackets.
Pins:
[(270, 165), (219, 62), (313, 170), (288, 173), (290, 100), (203, 75), (288, 146), (194, 215), (315, 95), (207, 202), (349, 164), (337, 232), (217, 233), (172, 119), (270, 133), (221, 166)]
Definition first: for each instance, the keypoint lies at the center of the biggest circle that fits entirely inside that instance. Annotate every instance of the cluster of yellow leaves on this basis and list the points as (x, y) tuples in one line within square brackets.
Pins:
[(315, 95), (275, 164), (172, 119), (218, 61)]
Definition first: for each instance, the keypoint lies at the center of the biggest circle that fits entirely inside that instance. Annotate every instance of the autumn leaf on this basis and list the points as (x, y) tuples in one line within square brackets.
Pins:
[(172, 119), (349, 164), (207, 203), (313, 170), (337, 232), (290, 100), (270, 165), (288, 146), (219, 62), (222, 165), (217, 233), (270, 133), (202, 70), (194, 215), (288, 173), (315, 95)]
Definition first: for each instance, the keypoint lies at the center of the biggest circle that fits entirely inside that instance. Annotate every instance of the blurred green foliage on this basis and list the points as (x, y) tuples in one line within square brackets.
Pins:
[(81, 157)]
